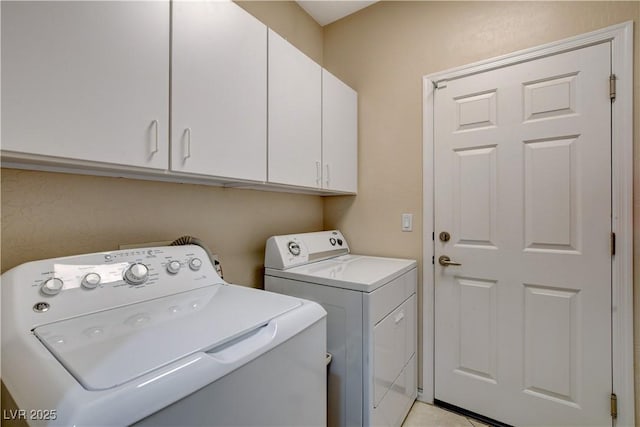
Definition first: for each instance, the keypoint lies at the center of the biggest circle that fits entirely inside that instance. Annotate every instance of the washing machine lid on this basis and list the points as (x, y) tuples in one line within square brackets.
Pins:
[(105, 349), (355, 272)]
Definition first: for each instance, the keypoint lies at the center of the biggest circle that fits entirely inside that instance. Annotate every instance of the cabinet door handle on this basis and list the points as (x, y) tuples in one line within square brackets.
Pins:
[(156, 125), (187, 151), (318, 174), (328, 175), (399, 317)]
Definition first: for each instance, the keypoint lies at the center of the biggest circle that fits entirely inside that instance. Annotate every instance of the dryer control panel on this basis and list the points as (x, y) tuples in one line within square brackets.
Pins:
[(291, 250), (59, 288)]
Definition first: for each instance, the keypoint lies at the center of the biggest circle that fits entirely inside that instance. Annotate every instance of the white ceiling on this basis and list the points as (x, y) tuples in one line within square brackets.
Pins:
[(327, 11)]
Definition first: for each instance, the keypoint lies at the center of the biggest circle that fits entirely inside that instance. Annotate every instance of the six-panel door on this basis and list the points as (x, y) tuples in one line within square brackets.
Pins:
[(523, 186)]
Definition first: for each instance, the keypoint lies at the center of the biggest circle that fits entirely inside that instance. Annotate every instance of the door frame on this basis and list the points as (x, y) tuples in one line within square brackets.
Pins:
[(621, 38)]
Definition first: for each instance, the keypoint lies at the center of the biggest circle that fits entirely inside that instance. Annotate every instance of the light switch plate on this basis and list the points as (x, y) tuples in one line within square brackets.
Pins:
[(407, 222)]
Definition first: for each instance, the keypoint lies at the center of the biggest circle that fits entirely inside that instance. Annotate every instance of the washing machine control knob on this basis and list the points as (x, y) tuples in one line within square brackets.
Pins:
[(136, 274), (91, 280), (52, 286), (173, 267), (195, 264)]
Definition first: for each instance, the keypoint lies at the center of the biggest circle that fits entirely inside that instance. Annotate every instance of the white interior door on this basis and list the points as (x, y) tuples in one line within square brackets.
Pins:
[(523, 186)]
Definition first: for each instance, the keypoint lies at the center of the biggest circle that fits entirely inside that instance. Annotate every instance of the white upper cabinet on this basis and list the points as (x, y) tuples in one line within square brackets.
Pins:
[(86, 86), (86, 81), (219, 91), (339, 135), (295, 99)]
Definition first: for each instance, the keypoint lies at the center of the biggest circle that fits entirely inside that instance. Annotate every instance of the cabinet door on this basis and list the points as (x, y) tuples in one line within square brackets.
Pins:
[(294, 115), (86, 81), (339, 135), (219, 91)]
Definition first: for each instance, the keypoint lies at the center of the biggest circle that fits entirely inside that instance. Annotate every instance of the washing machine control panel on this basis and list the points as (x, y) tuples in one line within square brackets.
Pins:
[(70, 286), (288, 251)]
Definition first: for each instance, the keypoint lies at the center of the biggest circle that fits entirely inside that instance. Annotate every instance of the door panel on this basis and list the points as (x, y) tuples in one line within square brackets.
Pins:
[(474, 194), (548, 309), (477, 352), (523, 185), (552, 211)]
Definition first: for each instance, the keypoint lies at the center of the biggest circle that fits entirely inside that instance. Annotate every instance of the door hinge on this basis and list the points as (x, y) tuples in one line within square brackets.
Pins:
[(612, 86), (433, 236), (433, 260), (613, 243), (614, 406)]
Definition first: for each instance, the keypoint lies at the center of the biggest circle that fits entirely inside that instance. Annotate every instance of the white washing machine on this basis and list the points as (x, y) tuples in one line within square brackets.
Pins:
[(371, 322), (155, 337)]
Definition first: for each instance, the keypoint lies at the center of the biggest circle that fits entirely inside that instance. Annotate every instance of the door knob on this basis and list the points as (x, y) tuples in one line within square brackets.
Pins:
[(445, 261)]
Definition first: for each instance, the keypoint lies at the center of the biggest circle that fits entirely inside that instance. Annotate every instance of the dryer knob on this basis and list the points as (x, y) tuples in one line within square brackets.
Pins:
[(294, 248), (52, 286), (136, 274)]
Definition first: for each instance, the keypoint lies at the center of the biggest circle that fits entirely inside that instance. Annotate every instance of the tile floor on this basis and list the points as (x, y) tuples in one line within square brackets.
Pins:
[(425, 415)]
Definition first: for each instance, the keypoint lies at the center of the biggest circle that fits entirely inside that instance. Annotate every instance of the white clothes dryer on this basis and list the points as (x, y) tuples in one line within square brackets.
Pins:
[(155, 337), (371, 322)]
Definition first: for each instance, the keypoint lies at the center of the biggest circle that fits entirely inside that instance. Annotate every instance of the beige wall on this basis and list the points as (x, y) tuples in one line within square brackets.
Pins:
[(384, 50), (50, 214), (291, 22)]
